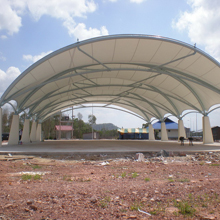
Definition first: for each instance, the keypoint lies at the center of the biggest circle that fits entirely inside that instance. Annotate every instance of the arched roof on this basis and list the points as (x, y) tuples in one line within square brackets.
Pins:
[(148, 75)]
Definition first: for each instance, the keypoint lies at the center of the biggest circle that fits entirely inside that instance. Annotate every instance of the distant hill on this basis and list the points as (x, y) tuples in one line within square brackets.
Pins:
[(106, 126)]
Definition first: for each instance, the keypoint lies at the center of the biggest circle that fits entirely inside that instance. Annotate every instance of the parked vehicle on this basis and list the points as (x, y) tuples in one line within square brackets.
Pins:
[(5, 136)]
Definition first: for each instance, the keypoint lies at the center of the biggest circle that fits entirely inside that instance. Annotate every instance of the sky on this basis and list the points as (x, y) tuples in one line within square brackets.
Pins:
[(31, 29)]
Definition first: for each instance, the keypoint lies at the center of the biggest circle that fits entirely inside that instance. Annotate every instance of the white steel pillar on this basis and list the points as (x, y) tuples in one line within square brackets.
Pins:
[(151, 133), (14, 131), (26, 130), (1, 126), (38, 134), (181, 129), (207, 131), (33, 131), (164, 136)]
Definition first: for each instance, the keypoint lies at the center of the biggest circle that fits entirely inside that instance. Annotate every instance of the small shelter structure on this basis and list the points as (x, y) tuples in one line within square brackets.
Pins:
[(133, 133), (66, 131)]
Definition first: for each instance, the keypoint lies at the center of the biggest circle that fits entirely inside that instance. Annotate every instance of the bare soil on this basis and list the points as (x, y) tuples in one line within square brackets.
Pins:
[(186, 187)]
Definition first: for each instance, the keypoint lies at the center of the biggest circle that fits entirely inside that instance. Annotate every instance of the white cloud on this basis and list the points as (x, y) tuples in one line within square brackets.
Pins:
[(9, 18), (3, 37), (137, 1), (202, 25), (64, 9), (2, 57), (6, 78), (35, 58), (82, 33), (11, 11)]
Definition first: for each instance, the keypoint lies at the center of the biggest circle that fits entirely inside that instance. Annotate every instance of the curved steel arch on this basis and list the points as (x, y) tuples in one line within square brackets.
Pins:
[(178, 77), (164, 95), (104, 101), (93, 106), (64, 107)]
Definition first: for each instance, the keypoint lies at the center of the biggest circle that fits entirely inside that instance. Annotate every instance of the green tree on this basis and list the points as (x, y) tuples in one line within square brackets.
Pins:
[(80, 128), (92, 119), (80, 116), (5, 115), (10, 119), (108, 134), (48, 127)]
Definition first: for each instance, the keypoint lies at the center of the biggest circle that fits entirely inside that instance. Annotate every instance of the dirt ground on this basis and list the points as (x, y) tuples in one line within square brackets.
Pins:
[(177, 187)]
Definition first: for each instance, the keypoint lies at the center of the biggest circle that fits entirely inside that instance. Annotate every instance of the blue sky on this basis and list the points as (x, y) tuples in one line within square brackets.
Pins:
[(30, 29)]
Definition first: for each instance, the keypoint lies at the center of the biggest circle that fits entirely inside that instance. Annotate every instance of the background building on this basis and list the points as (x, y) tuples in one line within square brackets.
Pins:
[(216, 133), (88, 136), (172, 129)]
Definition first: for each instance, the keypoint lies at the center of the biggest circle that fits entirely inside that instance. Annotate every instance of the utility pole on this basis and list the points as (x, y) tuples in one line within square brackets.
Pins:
[(196, 126), (72, 122), (60, 127), (92, 121)]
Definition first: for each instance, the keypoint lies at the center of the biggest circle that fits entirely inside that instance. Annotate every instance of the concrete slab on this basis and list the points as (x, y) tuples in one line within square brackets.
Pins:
[(104, 146)]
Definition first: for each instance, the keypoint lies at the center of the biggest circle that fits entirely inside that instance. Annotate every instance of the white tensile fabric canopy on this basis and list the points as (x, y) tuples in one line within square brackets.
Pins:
[(147, 75)]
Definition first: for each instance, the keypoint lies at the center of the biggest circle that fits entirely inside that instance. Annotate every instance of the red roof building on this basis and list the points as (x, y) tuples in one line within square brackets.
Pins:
[(63, 128)]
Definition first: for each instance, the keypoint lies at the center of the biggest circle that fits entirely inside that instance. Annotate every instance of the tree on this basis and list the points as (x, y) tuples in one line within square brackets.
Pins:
[(48, 127), (80, 116), (92, 119), (5, 115), (10, 119)]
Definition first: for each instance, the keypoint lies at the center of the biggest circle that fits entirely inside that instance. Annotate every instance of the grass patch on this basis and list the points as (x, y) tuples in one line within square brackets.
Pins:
[(36, 167), (123, 175), (134, 175), (37, 177), (183, 180), (26, 177), (185, 208), (105, 201), (67, 177), (154, 212), (214, 164), (147, 179), (135, 206), (170, 179)]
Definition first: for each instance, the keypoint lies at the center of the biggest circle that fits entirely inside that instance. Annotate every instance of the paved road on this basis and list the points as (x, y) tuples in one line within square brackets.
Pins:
[(104, 146)]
